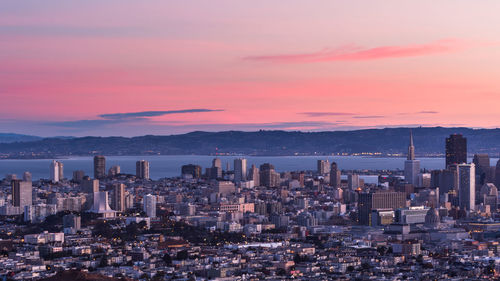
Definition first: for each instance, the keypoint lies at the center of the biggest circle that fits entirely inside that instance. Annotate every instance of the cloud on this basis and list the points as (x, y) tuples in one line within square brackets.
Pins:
[(427, 112), (322, 114), (154, 113), (368, 116), (356, 53), (117, 118)]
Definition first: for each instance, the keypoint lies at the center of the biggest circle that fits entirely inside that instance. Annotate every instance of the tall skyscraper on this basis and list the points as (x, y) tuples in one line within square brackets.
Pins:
[(497, 174), (353, 181), (27, 177), (119, 197), (78, 176), (323, 167), (22, 193), (412, 166), (217, 163), (99, 167), (240, 169), (456, 149), (334, 175), (482, 162), (149, 206), (254, 175), (466, 186), (56, 171), (190, 169), (142, 169)]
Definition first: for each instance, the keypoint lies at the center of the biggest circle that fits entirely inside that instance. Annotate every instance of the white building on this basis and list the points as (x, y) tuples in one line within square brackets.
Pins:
[(149, 207), (56, 171)]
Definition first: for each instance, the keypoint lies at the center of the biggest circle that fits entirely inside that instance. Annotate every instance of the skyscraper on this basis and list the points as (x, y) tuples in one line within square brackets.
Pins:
[(142, 169), (353, 181), (190, 169), (119, 197), (99, 167), (149, 206), (378, 200), (114, 170), (240, 169), (334, 175), (482, 162), (22, 193), (412, 166), (268, 176), (456, 149), (217, 163), (56, 171), (27, 176), (254, 175), (323, 167), (466, 186)]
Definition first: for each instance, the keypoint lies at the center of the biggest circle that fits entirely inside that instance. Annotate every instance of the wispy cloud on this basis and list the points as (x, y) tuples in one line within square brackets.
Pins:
[(368, 116), (427, 112), (356, 53), (117, 118), (322, 114), (154, 113)]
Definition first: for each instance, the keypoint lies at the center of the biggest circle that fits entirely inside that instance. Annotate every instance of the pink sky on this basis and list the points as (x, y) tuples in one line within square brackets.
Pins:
[(246, 65)]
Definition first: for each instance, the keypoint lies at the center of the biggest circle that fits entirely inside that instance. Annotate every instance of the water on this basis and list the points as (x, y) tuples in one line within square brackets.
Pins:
[(170, 166)]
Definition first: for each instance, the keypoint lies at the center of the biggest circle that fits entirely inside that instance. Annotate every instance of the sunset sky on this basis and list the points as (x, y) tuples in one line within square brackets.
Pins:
[(165, 67)]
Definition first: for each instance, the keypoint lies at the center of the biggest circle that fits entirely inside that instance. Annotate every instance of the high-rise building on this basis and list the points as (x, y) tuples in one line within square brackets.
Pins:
[(268, 176), (142, 169), (353, 181), (215, 172), (193, 170), (456, 149), (99, 167), (149, 206), (22, 193), (225, 187), (497, 174), (90, 185), (412, 166), (323, 167), (78, 176), (378, 200), (254, 175), (482, 162), (119, 197), (334, 175), (27, 176), (466, 186), (114, 170), (56, 171), (240, 169), (217, 163)]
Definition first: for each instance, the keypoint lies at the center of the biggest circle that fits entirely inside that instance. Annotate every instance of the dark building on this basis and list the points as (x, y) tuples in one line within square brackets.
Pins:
[(446, 180), (99, 167), (482, 162), (268, 176), (378, 200), (334, 175), (193, 170), (142, 169), (456, 149)]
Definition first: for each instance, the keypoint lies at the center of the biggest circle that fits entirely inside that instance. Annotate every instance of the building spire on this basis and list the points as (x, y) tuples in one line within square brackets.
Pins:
[(411, 148)]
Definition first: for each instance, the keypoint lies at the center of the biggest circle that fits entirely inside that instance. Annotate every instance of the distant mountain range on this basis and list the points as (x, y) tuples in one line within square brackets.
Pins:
[(7, 138), (428, 141)]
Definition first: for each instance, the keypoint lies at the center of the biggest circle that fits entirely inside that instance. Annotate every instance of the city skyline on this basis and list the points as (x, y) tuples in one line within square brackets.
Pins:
[(127, 68)]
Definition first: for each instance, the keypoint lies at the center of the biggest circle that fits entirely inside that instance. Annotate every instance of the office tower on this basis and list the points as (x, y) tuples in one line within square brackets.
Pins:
[(22, 193), (378, 200), (268, 176), (240, 169), (456, 149), (323, 167), (254, 175), (412, 166), (119, 197), (72, 221), (497, 174), (90, 185), (466, 186), (353, 181), (78, 176), (217, 163), (489, 196), (300, 177), (99, 167), (56, 171), (27, 177), (334, 175), (193, 170), (225, 187), (482, 163), (114, 170), (142, 169), (150, 205)]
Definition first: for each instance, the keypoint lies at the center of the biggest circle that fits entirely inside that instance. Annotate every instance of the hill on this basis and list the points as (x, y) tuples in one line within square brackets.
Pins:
[(428, 141)]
